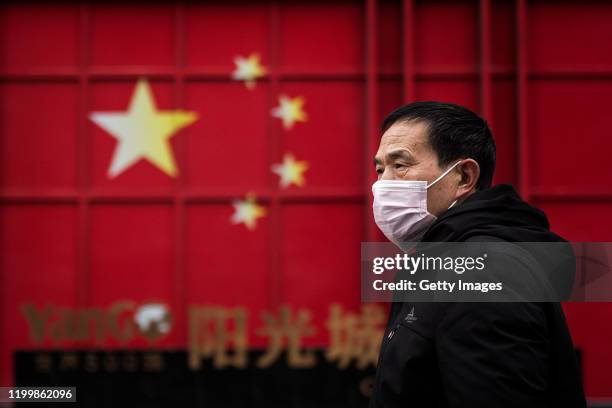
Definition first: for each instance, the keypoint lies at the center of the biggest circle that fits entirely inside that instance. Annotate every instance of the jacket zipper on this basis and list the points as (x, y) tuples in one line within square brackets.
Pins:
[(392, 332), (383, 348)]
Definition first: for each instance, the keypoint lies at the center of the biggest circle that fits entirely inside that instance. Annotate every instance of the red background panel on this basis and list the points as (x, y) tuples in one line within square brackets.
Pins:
[(446, 35), (38, 247), (216, 33), (131, 252), (131, 257), (43, 121), (463, 92), (503, 125), (236, 278), (582, 221), (503, 35), (329, 140), (389, 97), (304, 45), (559, 34), (130, 34), (389, 39), (333, 275), (220, 145), (25, 32), (563, 157)]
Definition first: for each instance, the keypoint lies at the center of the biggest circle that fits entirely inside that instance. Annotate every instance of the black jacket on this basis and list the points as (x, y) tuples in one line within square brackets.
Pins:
[(480, 354)]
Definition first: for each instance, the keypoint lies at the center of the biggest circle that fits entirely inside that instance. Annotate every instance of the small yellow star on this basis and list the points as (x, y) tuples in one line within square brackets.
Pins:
[(247, 211), (290, 110), (291, 171), (248, 70)]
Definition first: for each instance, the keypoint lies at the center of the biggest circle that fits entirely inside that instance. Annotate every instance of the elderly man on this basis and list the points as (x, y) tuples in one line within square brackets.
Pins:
[(435, 166)]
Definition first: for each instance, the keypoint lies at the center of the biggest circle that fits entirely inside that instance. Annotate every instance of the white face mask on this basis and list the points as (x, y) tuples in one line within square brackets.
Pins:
[(400, 208)]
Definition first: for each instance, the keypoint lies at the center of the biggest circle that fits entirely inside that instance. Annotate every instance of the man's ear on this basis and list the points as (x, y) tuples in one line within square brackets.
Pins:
[(470, 173)]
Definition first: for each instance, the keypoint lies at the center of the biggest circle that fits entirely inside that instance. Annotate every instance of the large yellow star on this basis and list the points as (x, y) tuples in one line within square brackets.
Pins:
[(290, 110), (247, 211), (248, 70), (291, 171), (143, 132)]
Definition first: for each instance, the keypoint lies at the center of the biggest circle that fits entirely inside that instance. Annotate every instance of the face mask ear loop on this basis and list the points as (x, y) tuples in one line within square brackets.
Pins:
[(444, 174)]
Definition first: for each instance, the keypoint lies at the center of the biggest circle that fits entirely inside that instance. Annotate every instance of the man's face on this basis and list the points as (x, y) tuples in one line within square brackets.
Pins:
[(404, 153)]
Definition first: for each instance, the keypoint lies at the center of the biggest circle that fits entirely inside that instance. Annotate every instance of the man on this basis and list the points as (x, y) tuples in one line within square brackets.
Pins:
[(463, 354)]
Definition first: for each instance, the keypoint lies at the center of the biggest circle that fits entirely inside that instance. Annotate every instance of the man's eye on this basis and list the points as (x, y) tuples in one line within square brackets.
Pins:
[(379, 170), (399, 166)]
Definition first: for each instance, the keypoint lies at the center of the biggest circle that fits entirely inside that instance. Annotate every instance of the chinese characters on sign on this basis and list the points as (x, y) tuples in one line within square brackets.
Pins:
[(215, 332)]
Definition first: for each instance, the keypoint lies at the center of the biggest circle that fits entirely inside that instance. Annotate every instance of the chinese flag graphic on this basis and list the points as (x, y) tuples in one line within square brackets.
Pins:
[(185, 186)]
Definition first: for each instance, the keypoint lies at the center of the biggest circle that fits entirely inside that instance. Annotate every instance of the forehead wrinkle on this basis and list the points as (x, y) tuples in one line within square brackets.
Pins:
[(412, 145), (405, 135)]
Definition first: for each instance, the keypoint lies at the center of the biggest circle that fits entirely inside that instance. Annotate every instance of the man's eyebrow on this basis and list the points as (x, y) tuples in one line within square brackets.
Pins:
[(399, 154), (395, 155)]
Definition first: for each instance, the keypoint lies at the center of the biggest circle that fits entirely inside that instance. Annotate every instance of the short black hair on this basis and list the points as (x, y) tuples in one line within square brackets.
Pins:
[(454, 132)]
